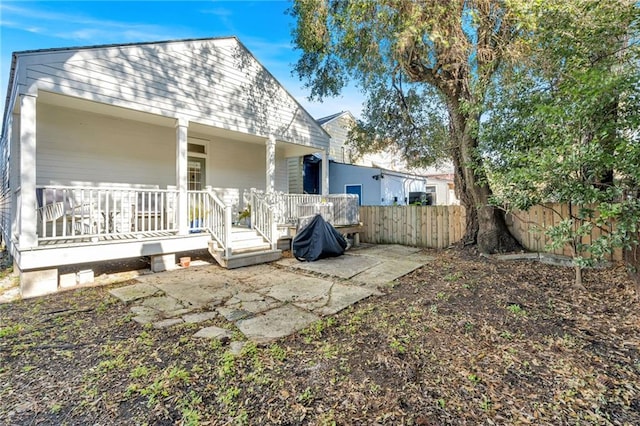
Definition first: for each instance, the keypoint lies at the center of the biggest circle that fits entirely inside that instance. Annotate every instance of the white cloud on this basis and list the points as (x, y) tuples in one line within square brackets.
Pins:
[(82, 28)]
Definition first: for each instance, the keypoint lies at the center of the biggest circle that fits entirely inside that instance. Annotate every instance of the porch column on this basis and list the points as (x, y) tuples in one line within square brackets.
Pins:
[(27, 209), (182, 126), (271, 164), (325, 173)]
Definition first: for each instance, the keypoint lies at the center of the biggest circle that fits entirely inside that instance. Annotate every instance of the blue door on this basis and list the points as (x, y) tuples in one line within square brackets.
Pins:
[(354, 189)]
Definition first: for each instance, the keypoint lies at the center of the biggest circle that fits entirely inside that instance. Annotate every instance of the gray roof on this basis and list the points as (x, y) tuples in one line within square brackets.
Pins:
[(328, 118)]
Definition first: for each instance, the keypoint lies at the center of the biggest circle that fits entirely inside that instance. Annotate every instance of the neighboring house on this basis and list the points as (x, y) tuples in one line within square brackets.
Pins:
[(376, 186), (143, 149), (378, 178), (441, 184)]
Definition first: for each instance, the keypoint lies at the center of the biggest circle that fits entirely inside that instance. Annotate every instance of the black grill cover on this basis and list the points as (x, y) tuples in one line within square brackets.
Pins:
[(318, 240)]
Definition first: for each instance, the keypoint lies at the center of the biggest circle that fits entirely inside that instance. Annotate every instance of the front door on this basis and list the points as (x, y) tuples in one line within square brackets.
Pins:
[(196, 173)]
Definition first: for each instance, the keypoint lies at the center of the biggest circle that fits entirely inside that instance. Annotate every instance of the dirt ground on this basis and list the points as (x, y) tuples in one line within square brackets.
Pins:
[(464, 340)]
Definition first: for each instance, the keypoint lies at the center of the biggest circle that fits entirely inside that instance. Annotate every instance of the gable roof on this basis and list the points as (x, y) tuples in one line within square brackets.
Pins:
[(212, 81), (329, 118)]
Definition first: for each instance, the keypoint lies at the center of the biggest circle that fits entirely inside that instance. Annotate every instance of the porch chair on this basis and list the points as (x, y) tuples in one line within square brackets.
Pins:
[(85, 219), (49, 217), (52, 206)]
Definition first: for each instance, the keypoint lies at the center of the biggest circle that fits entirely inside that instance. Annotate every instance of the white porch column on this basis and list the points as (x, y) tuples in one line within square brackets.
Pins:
[(182, 126), (271, 164), (325, 173), (28, 204)]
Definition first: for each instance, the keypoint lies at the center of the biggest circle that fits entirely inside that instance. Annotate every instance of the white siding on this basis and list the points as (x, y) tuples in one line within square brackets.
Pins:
[(339, 129), (231, 164), (282, 176), (212, 82), (76, 147), (294, 166)]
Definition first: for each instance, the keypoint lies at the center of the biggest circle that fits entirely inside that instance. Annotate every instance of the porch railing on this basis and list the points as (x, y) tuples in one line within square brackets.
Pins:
[(208, 213), (263, 216), (345, 209), (71, 212)]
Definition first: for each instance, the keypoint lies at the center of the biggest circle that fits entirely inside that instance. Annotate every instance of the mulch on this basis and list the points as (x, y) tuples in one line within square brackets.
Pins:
[(464, 340)]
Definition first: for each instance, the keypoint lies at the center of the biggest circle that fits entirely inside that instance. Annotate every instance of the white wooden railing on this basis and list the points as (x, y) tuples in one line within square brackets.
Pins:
[(209, 214), (72, 212), (77, 213), (344, 211), (263, 216)]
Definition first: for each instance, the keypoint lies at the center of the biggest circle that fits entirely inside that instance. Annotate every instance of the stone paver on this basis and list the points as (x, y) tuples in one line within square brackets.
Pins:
[(236, 347), (388, 251), (252, 302), (386, 272), (276, 323), (195, 295), (162, 303), (341, 297), (167, 323), (144, 315), (134, 292), (199, 317), (263, 301), (214, 333), (234, 314), (308, 294), (345, 266)]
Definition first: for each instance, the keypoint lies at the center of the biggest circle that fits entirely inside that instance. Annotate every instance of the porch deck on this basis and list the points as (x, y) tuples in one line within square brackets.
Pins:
[(78, 225), (106, 238)]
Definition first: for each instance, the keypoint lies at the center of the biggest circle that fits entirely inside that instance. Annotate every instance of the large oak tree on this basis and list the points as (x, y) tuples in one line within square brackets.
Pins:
[(411, 58)]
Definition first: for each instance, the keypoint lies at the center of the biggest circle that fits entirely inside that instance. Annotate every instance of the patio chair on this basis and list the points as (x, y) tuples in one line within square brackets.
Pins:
[(50, 219), (85, 219)]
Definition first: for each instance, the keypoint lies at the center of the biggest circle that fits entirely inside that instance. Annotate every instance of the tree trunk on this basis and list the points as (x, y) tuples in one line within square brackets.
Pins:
[(486, 225)]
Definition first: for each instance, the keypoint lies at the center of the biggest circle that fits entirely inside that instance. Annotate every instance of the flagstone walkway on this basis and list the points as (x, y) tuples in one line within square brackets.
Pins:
[(266, 302)]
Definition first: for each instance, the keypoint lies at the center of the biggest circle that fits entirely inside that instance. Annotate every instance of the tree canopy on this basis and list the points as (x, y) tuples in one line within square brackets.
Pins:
[(565, 125), (426, 67)]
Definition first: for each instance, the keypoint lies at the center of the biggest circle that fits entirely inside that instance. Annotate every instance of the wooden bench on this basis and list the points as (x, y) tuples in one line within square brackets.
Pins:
[(353, 230)]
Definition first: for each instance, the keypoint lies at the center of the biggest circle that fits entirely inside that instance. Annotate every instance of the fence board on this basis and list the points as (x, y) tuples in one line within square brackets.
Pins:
[(442, 226), (528, 228), (419, 226)]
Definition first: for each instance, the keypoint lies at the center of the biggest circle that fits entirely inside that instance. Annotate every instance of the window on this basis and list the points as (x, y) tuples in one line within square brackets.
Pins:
[(196, 173)]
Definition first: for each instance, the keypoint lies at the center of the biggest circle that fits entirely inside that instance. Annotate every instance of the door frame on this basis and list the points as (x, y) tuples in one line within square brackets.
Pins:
[(198, 156), (359, 193)]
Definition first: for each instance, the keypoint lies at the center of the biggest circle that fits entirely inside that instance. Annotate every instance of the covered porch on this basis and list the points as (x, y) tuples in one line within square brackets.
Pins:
[(102, 182), (87, 224)]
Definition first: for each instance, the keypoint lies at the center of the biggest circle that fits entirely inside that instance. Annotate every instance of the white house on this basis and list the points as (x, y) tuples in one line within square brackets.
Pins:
[(144, 149)]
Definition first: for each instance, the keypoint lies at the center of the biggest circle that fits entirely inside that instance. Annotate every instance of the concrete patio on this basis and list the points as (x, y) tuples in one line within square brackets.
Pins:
[(266, 302)]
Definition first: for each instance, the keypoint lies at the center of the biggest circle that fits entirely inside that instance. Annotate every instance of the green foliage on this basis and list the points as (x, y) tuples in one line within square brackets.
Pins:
[(418, 62), (564, 126), (12, 330), (516, 310), (305, 397)]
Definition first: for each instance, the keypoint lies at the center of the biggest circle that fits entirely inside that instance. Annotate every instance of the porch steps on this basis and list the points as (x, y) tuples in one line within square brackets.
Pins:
[(247, 248)]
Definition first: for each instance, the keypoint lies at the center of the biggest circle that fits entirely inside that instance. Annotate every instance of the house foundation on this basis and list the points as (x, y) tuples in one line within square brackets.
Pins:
[(163, 262), (38, 282)]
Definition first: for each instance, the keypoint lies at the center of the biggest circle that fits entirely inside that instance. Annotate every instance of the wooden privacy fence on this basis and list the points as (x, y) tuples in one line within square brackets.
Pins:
[(528, 227), (418, 226)]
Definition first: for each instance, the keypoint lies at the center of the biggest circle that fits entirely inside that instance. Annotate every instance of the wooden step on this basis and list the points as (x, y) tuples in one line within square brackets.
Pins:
[(241, 234), (238, 260), (249, 248)]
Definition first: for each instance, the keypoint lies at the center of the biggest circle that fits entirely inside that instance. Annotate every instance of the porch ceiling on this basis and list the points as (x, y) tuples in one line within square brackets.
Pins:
[(289, 149), (104, 109), (195, 129)]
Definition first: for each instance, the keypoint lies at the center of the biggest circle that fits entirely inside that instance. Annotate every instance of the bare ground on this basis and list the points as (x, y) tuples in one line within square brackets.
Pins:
[(464, 340)]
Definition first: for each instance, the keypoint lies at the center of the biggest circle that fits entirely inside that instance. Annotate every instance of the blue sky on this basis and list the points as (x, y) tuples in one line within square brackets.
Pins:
[(263, 26)]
